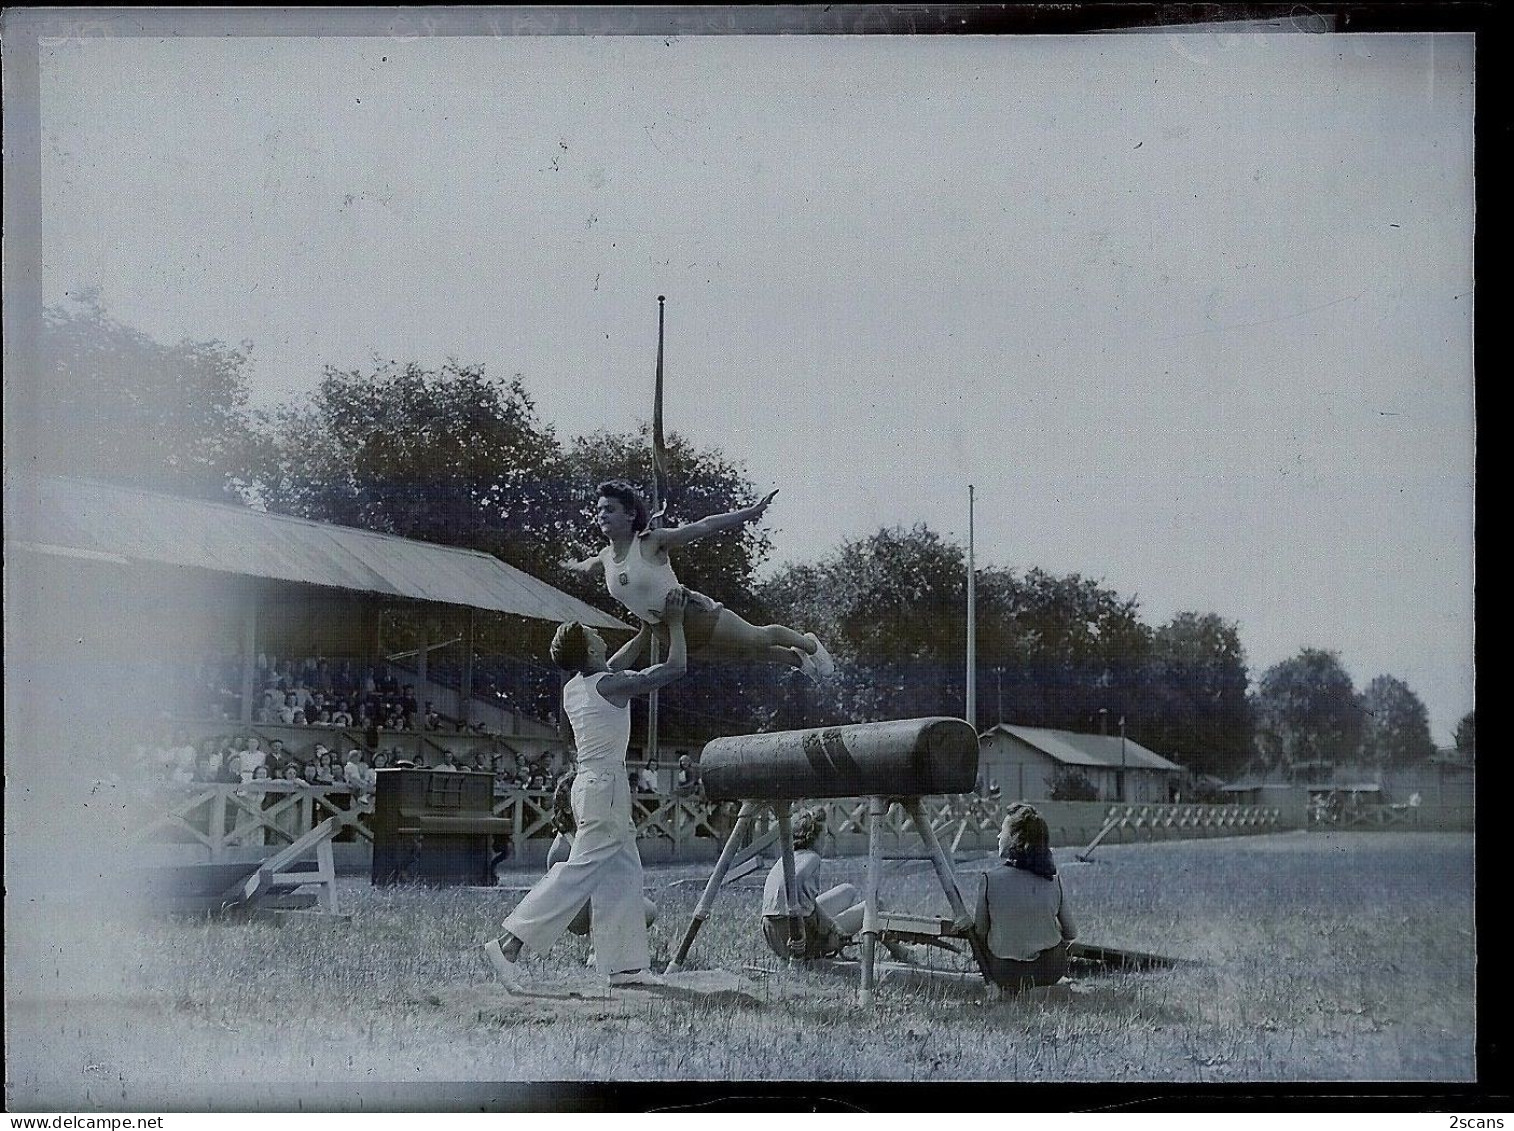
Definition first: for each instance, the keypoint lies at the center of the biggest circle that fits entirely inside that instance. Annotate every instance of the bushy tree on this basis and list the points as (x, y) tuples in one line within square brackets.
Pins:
[(1306, 710), (451, 456), (892, 608), (116, 405), (1067, 647), (1194, 707), (1466, 734), (1395, 724), (1072, 785)]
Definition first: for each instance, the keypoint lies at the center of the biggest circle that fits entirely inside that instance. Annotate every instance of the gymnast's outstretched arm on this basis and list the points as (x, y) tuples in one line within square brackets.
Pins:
[(713, 524)]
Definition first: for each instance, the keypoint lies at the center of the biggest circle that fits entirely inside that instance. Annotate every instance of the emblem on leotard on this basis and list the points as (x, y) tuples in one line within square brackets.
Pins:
[(624, 579)]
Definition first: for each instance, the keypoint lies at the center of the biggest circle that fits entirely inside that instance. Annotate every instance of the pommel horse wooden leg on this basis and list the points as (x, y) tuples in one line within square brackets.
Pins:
[(702, 912), (947, 876), (876, 808), (782, 810)]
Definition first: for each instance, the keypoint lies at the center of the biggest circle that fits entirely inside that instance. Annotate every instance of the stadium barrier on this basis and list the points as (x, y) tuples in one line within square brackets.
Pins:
[(222, 818)]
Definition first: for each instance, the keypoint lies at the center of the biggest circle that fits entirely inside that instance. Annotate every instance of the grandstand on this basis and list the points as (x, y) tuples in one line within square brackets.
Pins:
[(126, 607)]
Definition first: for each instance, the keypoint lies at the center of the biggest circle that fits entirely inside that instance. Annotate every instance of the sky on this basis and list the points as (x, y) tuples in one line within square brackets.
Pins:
[(1192, 313)]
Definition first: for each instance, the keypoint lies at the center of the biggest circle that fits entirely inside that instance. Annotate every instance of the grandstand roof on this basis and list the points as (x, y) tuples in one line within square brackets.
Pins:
[(1074, 749), (87, 519)]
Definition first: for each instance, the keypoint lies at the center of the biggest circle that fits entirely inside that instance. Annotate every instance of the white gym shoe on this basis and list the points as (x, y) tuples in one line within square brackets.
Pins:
[(825, 667), (507, 970), (636, 978)]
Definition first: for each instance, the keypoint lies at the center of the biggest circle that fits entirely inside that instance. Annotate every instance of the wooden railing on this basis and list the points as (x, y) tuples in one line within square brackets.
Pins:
[(221, 817), (1154, 822)]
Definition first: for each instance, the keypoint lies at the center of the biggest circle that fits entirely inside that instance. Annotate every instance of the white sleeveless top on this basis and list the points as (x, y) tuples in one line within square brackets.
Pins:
[(646, 585), (601, 730)]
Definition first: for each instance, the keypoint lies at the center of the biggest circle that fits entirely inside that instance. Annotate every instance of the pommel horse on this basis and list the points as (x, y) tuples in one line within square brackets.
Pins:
[(887, 762)]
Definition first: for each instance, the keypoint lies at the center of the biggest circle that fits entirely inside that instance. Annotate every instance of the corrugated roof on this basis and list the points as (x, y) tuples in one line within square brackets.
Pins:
[(88, 519), (1074, 749)]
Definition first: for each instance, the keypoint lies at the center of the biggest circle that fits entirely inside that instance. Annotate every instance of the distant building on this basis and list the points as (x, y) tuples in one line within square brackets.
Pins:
[(1024, 762), (1435, 793)]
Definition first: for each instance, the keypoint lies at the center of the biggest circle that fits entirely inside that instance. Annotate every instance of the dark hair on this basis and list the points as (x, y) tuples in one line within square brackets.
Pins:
[(570, 648), (1028, 841), (807, 827), (626, 494)]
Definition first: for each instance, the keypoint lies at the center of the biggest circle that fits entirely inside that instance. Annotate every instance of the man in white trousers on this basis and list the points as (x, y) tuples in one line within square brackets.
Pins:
[(604, 867)]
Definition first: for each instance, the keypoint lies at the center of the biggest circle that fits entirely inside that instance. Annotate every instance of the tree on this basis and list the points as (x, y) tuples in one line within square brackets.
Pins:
[(1069, 784), (1194, 705), (1066, 647), (1466, 734), (451, 456), (116, 405), (1395, 724), (892, 608), (1306, 711)]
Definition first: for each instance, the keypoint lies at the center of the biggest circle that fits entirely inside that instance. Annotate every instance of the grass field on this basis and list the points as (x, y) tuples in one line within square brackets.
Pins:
[(1314, 957)]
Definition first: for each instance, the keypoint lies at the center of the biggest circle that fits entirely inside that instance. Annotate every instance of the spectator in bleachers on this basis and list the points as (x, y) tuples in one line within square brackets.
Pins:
[(646, 779), (355, 773), (686, 777), (289, 709), (341, 717), (310, 774), (252, 753), (277, 756), (182, 770), (268, 710), (433, 719), (408, 704), (326, 769)]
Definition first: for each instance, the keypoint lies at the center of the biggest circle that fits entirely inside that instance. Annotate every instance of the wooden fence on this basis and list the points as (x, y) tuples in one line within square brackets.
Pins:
[(220, 818)]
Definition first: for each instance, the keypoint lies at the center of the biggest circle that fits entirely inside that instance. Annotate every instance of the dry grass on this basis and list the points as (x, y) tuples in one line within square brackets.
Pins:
[(1316, 957)]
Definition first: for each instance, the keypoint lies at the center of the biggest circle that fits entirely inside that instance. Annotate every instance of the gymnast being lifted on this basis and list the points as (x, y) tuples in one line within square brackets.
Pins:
[(639, 574)]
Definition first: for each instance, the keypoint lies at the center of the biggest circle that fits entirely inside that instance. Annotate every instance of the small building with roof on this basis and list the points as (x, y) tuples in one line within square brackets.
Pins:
[(1024, 762)]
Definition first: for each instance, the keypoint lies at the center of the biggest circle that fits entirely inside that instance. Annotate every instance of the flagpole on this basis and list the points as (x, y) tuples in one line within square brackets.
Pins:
[(972, 621), (658, 471)]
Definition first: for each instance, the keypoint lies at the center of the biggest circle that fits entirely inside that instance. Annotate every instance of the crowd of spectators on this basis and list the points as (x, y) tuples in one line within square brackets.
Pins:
[(345, 693)]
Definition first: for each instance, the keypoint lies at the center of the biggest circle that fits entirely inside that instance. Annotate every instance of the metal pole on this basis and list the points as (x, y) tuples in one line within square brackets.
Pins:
[(654, 653), (782, 811), (972, 621), (876, 808), (249, 655), (1123, 796)]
